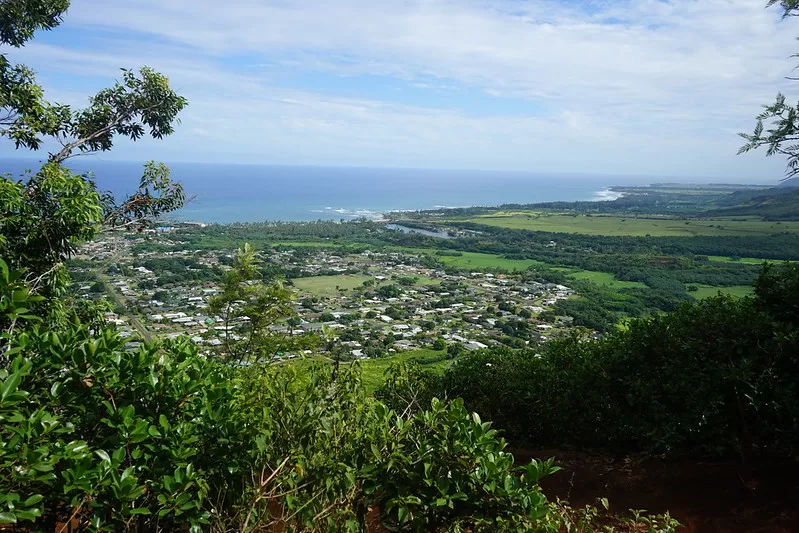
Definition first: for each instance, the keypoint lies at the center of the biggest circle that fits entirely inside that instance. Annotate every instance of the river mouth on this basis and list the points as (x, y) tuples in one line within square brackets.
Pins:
[(406, 229)]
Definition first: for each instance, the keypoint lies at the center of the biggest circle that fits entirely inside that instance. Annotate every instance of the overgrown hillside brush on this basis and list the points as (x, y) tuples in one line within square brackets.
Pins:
[(100, 437), (716, 376)]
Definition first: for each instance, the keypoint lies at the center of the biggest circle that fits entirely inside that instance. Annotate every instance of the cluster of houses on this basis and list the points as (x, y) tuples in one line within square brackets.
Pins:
[(376, 302)]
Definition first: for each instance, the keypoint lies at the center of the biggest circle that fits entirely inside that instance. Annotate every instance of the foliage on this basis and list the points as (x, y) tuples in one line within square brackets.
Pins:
[(783, 135), (44, 215), (711, 377), (120, 440), (407, 388), (251, 306), (442, 470), (776, 289), (161, 438), (157, 194), (109, 437), (43, 219)]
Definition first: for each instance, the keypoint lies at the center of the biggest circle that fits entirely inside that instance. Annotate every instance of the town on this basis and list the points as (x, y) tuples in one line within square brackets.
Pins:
[(371, 303)]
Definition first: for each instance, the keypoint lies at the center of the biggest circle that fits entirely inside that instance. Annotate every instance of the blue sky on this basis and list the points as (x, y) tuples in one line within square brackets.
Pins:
[(653, 87)]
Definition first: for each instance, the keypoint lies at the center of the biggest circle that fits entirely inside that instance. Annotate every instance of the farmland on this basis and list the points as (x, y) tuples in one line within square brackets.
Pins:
[(706, 291), (329, 285), (603, 278), (632, 226)]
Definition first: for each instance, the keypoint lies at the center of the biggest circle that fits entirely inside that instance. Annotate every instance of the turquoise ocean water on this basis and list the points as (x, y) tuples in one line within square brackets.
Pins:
[(254, 193)]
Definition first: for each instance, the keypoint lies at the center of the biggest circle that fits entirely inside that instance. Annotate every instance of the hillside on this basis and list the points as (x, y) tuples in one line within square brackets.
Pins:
[(779, 203)]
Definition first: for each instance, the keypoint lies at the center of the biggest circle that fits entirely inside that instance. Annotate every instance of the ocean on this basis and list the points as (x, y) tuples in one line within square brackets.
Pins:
[(226, 193)]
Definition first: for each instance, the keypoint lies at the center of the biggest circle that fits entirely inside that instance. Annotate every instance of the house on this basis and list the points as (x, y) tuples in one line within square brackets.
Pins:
[(474, 345)]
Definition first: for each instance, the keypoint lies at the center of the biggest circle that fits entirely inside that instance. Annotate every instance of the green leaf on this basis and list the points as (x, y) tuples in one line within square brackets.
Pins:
[(28, 514), (33, 500), (402, 514), (9, 385), (42, 467), (8, 518), (104, 456)]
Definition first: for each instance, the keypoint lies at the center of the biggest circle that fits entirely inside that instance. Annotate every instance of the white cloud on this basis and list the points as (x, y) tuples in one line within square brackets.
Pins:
[(650, 86)]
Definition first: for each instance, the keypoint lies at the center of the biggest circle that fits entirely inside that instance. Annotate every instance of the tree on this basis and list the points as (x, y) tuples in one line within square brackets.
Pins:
[(389, 291), (250, 306), (439, 344), (782, 137), (455, 349), (46, 214)]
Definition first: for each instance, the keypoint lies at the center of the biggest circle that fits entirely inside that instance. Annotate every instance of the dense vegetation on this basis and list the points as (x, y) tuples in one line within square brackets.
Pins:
[(99, 435), (106, 438), (669, 267), (712, 377)]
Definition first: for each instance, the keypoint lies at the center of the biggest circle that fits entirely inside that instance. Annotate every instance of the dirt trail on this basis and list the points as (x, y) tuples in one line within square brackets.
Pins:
[(707, 497)]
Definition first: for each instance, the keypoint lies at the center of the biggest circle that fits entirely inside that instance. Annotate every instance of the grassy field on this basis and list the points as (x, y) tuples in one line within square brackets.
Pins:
[(326, 285), (605, 278), (421, 280), (478, 261), (617, 226), (706, 291), (309, 244), (374, 369), (742, 260)]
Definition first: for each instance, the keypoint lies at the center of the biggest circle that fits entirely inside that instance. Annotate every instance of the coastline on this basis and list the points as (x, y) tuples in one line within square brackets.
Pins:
[(215, 214)]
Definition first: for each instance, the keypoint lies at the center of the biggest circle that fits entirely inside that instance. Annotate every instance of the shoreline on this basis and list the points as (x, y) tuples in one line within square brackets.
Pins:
[(337, 214)]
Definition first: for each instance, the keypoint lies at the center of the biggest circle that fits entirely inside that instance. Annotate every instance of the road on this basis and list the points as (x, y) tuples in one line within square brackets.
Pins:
[(119, 299)]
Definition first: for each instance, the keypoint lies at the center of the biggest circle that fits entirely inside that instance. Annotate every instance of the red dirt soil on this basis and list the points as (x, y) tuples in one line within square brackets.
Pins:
[(706, 497)]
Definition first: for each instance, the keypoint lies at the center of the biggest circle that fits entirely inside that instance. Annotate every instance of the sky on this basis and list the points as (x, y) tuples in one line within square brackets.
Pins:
[(650, 87)]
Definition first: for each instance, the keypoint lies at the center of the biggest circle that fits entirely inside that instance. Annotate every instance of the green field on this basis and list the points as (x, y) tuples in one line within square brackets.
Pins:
[(638, 227), (706, 291), (742, 260), (605, 278), (373, 370), (477, 261), (300, 244), (326, 285), (420, 280)]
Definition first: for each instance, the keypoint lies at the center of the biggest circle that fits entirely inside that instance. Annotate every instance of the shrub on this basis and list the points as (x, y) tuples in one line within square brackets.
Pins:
[(716, 376)]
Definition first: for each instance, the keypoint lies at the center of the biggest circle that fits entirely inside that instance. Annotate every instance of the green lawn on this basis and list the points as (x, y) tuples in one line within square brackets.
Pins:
[(616, 225), (326, 285), (706, 291)]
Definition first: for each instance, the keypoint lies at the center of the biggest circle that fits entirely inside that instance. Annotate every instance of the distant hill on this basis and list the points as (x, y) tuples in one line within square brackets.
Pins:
[(793, 182), (778, 203)]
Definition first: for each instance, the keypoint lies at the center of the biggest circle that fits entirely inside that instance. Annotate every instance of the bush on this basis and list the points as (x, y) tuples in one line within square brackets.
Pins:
[(131, 435), (163, 438), (715, 376)]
